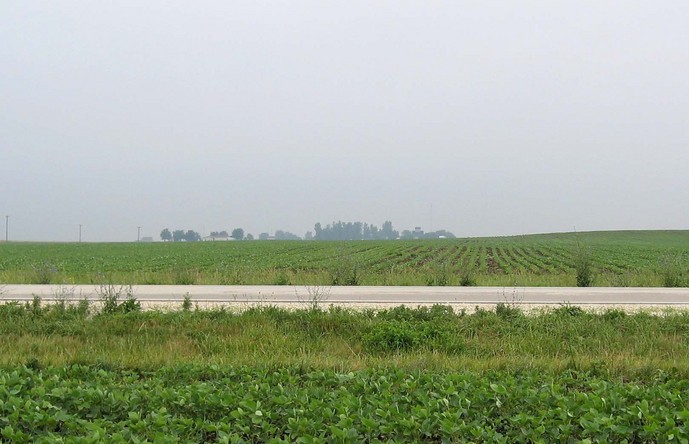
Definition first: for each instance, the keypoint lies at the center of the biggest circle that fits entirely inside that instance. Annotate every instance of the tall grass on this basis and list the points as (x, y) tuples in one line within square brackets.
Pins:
[(402, 276), (673, 269), (436, 337), (583, 266)]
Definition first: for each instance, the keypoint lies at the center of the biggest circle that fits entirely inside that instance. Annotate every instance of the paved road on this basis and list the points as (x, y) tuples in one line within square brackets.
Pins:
[(270, 294)]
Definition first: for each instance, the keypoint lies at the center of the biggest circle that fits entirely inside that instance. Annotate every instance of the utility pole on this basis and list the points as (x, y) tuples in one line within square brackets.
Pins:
[(138, 234), (7, 228), (79, 233)]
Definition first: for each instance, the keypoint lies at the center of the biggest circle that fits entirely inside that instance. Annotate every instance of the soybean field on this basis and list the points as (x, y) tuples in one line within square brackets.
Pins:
[(620, 258)]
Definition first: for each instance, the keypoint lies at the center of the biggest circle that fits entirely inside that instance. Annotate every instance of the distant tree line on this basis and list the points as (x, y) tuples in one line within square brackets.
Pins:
[(193, 236), (336, 231), (354, 231), (180, 235), (363, 231)]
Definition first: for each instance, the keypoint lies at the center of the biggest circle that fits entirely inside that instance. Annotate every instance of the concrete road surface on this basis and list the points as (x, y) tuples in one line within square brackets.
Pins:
[(362, 296)]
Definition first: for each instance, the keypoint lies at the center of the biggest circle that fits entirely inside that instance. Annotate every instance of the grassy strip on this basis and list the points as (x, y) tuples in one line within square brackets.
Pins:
[(219, 404), (396, 277), (612, 343)]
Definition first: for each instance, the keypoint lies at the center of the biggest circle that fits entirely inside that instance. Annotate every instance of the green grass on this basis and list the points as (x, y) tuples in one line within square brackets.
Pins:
[(430, 338), (621, 258)]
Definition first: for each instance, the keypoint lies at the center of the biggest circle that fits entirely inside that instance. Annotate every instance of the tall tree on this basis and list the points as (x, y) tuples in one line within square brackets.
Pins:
[(388, 232), (165, 235), (238, 234), (192, 236)]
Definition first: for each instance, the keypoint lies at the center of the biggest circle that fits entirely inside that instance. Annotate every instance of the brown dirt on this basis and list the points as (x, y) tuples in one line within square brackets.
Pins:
[(491, 263)]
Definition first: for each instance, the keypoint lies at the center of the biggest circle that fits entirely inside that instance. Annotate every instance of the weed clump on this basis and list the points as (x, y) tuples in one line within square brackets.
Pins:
[(345, 272), (404, 329), (583, 266), (186, 277), (569, 310), (507, 311), (673, 271), (315, 297), (43, 273), (116, 299), (33, 364), (281, 278), (437, 313), (186, 304), (613, 314), (398, 336), (440, 275), (467, 273)]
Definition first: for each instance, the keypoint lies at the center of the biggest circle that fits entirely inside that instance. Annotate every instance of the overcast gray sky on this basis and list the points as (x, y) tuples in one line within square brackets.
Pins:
[(503, 117)]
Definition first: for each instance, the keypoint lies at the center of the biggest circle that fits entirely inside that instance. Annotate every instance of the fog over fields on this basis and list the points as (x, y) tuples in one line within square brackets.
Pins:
[(481, 118)]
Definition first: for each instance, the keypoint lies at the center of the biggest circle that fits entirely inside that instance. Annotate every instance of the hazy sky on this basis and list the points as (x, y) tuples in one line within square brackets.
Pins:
[(503, 117)]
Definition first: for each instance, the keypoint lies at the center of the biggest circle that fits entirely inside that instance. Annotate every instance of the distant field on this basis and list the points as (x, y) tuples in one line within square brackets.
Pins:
[(620, 258)]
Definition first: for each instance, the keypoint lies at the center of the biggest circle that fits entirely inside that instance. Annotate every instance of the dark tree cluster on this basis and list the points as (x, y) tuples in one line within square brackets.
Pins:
[(180, 235), (354, 231), (192, 236)]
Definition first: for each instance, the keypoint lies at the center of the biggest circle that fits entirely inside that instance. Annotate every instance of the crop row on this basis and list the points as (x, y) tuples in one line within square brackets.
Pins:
[(217, 404)]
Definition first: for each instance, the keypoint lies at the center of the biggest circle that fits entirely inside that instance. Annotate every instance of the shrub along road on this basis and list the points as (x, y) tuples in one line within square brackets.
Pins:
[(358, 296)]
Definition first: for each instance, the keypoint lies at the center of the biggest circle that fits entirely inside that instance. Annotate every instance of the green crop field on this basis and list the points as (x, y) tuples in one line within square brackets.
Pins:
[(622, 258), (244, 405)]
